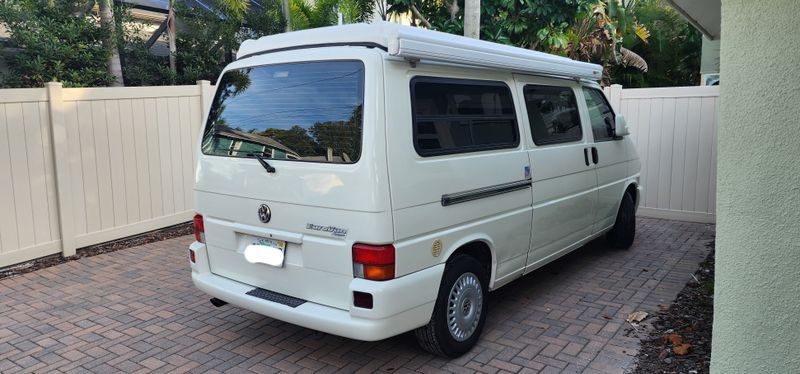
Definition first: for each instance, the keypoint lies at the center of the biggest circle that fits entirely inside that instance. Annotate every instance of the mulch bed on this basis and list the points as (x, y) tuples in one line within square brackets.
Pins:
[(131, 241), (687, 322)]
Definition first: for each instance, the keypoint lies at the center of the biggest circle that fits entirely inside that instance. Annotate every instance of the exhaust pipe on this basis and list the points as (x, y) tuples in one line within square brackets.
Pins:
[(218, 303)]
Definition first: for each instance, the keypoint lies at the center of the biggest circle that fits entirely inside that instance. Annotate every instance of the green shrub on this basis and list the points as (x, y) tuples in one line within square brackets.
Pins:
[(49, 43)]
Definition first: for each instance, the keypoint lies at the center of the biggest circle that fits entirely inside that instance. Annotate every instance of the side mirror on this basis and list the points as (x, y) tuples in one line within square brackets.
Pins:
[(620, 126)]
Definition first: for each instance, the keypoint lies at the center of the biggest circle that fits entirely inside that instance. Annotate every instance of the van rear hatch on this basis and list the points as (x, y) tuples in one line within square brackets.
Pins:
[(288, 171)]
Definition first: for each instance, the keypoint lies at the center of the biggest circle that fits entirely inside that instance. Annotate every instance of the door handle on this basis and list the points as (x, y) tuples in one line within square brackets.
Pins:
[(595, 158), (586, 156)]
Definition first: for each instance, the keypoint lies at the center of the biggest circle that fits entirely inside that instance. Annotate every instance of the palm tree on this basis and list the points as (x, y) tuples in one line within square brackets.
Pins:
[(318, 13), (596, 36), (472, 19), (287, 16), (172, 33), (114, 64)]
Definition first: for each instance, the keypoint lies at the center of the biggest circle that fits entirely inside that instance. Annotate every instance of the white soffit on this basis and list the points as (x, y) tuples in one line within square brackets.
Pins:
[(705, 15), (417, 43)]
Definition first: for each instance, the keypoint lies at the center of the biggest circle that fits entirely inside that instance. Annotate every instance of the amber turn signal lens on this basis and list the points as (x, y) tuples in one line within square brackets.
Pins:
[(379, 272)]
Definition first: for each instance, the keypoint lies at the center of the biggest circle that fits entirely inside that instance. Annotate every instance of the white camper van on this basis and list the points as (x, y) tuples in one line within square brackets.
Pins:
[(369, 180)]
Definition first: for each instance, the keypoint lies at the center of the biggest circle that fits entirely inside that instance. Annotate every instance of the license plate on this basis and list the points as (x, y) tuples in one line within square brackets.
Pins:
[(265, 251)]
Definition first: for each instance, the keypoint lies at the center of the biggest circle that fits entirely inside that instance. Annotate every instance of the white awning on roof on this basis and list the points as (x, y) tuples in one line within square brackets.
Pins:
[(705, 15)]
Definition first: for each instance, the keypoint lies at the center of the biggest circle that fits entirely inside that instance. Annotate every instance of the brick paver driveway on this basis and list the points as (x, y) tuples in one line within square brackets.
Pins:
[(136, 310)]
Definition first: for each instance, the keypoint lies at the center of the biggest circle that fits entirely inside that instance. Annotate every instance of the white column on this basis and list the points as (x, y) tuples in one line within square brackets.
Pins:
[(757, 284)]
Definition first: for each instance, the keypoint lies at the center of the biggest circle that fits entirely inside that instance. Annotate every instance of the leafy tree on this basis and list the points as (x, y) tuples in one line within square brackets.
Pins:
[(343, 137), (208, 41), (354, 11), (49, 43), (140, 67), (672, 53), (205, 44), (295, 138), (597, 36), (589, 30), (308, 14)]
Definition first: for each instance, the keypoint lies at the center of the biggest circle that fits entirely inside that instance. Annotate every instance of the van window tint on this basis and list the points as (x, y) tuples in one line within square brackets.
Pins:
[(456, 116), (600, 114), (300, 111), (553, 114)]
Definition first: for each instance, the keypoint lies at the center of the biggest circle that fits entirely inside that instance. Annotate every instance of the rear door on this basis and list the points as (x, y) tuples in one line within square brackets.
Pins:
[(317, 123), (564, 182)]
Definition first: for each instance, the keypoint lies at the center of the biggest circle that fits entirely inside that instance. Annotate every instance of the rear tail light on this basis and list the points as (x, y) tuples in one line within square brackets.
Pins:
[(199, 229), (373, 262), (192, 256)]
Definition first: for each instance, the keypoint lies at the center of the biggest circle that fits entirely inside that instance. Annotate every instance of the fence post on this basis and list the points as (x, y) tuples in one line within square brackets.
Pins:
[(206, 94), (614, 94), (61, 158)]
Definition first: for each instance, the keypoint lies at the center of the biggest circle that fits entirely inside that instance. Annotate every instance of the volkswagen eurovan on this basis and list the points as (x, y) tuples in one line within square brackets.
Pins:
[(372, 179)]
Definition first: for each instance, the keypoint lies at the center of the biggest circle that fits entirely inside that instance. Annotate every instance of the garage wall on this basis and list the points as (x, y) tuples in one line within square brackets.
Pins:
[(81, 166), (675, 132)]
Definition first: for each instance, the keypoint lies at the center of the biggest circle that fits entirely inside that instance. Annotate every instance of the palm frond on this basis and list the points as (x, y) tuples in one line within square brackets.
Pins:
[(641, 32), (630, 58), (236, 8)]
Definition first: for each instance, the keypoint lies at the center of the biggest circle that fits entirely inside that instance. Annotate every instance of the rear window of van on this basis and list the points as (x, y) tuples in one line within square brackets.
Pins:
[(309, 111)]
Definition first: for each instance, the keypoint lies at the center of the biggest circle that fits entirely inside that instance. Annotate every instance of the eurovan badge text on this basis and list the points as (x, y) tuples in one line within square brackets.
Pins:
[(335, 231)]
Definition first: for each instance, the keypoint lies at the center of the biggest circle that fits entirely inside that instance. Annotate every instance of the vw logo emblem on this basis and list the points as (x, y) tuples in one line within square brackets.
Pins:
[(264, 213)]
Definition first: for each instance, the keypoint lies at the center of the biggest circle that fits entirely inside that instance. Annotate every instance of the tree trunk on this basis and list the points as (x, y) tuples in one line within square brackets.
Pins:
[(472, 19), (172, 33), (114, 64), (287, 15), (453, 9)]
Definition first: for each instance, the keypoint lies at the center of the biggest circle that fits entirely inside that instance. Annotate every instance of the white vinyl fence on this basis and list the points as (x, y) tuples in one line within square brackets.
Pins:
[(675, 131), (80, 166)]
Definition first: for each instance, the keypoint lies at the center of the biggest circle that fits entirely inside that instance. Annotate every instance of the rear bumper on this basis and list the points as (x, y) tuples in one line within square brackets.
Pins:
[(400, 305)]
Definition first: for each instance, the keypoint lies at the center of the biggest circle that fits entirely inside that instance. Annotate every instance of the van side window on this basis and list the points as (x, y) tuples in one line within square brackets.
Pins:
[(600, 114), (553, 114), (459, 116)]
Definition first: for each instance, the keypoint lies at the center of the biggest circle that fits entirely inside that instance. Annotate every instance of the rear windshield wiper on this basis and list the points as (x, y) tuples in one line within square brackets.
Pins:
[(263, 161)]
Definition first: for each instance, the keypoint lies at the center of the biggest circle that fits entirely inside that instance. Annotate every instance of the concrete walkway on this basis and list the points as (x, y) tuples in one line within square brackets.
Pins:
[(135, 310)]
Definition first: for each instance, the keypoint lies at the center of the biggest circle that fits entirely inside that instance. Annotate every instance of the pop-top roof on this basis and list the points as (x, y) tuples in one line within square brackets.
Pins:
[(420, 44)]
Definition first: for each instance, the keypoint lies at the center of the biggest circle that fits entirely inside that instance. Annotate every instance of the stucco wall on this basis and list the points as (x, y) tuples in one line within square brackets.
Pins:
[(757, 290)]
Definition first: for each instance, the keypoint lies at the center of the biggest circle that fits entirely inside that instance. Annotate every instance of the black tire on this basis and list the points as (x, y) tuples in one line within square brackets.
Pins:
[(435, 337), (624, 230)]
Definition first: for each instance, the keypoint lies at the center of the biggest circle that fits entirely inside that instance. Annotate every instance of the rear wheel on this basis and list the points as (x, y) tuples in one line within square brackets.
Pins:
[(460, 310), (624, 230)]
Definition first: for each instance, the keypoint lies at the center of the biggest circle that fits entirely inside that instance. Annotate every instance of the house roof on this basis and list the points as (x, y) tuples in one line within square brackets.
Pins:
[(705, 15), (253, 138), (415, 43)]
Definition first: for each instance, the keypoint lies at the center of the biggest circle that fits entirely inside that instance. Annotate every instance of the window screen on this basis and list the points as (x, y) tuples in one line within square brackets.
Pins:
[(457, 116), (600, 114), (553, 114), (300, 111)]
